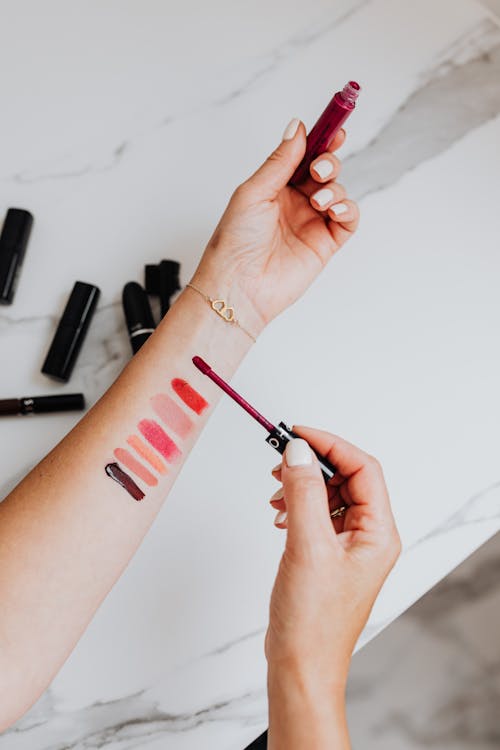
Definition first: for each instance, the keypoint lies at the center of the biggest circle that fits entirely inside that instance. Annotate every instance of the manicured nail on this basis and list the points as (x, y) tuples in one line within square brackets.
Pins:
[(277, 495), (281, 517), (298, 453), (323, 168), (339, 208), (291, 129), (323, 197), (277, 467)]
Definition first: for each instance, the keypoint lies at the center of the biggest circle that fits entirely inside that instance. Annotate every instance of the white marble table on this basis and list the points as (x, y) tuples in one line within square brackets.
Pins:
[(104, 104)]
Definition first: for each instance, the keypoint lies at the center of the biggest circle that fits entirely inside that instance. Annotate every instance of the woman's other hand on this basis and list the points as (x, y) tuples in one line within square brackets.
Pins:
[(274, 239), (328, 579)]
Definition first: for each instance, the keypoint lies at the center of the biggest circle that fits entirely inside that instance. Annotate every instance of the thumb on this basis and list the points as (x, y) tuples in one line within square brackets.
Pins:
[(305, 494), (279, 167)]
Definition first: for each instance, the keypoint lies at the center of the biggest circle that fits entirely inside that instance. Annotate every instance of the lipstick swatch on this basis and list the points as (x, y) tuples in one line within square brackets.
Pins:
[(158, 438), (127, 459), (147, 453), (191, 398), (172, 415), (123, 479)]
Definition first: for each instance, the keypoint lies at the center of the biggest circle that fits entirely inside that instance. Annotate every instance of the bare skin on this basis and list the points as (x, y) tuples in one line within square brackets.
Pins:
[(67, 530), (329, 577)]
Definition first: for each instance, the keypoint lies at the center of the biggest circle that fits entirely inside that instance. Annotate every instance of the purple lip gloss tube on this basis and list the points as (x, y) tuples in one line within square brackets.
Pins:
[(326, 128)]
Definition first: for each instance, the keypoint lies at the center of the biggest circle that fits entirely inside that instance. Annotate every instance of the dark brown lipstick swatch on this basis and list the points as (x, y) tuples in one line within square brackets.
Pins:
[(123, 479)]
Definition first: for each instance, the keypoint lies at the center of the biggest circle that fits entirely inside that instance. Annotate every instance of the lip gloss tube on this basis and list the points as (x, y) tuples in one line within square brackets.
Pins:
[(326, 128)]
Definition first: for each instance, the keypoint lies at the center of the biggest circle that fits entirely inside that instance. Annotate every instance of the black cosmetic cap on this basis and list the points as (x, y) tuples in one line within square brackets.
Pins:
[(71, 331), (13, 242), (136, 307), (169, 272)]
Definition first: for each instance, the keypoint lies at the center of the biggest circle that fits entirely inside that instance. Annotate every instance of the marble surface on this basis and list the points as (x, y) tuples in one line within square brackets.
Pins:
[(432, 679), (133, 122)]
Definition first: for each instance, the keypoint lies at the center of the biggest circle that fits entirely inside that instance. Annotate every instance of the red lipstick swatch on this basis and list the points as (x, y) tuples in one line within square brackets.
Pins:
[(123, 479), (128, 460), (158, 438), (191, 398)]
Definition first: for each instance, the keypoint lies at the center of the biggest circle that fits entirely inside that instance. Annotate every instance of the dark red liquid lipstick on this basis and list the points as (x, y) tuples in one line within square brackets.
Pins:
[(279, 435), (326, 128)]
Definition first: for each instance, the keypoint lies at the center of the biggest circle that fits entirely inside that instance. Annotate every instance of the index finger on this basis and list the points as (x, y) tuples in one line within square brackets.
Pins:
[(339, 139), (361, 471)]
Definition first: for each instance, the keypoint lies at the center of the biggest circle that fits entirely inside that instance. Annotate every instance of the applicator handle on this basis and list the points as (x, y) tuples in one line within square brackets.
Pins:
[(282, 434)]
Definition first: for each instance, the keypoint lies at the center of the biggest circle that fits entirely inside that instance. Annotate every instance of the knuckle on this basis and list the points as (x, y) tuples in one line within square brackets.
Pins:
[(374, 463), (309, 485), (276, 156), (397, 545), (240, 191)]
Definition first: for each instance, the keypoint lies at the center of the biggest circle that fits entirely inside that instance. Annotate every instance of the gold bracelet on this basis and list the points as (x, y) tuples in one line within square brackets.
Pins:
[(223, 310)]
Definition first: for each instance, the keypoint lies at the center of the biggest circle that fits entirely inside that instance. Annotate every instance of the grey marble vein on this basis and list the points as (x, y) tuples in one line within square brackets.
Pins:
[(432, 679), (266, 65), (127, 720), (433, 117), (481, 507)]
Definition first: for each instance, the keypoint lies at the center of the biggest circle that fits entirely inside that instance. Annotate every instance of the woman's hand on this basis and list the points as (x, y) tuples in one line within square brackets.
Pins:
[(273, 239), (329, 577)]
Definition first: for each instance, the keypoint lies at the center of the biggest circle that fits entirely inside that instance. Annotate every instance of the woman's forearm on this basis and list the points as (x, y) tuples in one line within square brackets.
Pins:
[(68, 530)]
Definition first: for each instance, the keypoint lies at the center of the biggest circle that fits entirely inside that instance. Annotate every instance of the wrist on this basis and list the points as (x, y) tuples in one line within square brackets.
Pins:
[(305, 713), (311, 686), (224, 282)]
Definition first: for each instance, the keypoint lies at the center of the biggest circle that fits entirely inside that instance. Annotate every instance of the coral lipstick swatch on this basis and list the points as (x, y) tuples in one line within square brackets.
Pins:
[(157, 443), (146, 452), (127, 459)]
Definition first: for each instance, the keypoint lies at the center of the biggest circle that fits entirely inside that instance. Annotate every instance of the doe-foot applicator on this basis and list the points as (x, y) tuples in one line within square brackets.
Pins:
[(279, 435)]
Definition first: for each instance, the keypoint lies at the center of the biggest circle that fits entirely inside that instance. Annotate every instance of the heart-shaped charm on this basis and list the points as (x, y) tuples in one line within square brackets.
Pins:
[(218, 305), (228, 313)]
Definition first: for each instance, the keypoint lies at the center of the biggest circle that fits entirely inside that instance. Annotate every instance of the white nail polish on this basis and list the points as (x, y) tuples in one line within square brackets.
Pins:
[(276, 468), (291, 129), (323, 196), (339, 208), (278, 495), (323, 168), (281, 517), (298, 453)]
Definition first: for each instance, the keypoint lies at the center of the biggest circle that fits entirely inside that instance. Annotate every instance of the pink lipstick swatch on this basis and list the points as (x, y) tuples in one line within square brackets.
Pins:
[(135, 466), (147, 453), (191, 398), (171, 414), (158, 438)]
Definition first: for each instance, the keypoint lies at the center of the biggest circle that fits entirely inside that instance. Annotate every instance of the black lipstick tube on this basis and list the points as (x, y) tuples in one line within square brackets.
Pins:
[(41, 404), (71, 331), (16, 231), (138, 314), (281, 434)]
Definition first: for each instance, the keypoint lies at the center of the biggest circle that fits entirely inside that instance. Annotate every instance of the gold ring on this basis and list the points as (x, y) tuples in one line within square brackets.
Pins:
[(338, 512)]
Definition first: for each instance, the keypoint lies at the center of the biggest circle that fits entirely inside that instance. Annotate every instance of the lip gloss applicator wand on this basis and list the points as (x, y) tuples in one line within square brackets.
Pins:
[(279, 435)]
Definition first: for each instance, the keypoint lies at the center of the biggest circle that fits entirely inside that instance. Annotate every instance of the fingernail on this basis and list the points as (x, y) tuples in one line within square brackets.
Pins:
[(323, 196), (323, 168), (277, 495), (276, 468), (298, 453), (339, 208), (281, 517), (291, 129)]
